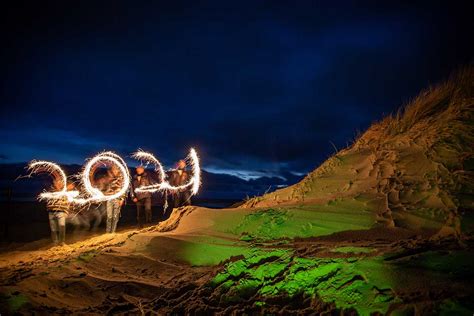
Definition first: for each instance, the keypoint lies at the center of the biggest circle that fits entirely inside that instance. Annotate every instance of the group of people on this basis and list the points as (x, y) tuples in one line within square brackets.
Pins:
[(59, 209)]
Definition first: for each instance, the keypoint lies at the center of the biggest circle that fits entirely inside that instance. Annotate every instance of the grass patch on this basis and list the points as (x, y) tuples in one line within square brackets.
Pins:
[(307, 221), (13, 301), (354, 250), (208, 251), (453, 307), (455, 264), (87, 256), (360, 283)]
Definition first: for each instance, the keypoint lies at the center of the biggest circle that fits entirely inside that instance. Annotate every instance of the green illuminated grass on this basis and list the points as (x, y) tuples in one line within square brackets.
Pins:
[(209, 251), (360, 283), (459, 263), (452, 307), (13, 301), (304, 221), (267, 225), (208, 254), (353, 249), (87, 256)]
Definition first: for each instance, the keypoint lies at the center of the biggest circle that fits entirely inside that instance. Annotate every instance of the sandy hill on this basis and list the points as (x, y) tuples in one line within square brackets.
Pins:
[(416, 167)]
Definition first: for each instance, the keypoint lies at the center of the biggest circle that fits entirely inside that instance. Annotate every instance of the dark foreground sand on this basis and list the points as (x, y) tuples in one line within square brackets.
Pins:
[(189, 265)]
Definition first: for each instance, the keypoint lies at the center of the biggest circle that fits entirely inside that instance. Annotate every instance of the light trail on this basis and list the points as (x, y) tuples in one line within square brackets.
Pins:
[(91, 194), (194, 183), (41, 166), (94, 194), (148, 158)]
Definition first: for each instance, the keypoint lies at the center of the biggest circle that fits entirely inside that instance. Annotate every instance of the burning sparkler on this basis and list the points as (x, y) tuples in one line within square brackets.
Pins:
[(54, 170), (91, 194), (96, 195), (194, 183), (149, 158)]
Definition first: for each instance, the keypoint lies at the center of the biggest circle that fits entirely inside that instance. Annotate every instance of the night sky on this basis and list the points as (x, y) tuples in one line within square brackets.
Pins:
[(258, 87)]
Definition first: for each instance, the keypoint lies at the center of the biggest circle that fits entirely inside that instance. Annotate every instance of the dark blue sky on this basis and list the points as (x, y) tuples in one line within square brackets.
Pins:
[(258, 87)]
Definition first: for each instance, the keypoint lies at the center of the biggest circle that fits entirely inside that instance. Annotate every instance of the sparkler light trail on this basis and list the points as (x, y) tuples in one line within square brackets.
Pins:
[(54, 170), (91, 194), (96, 195), (144, 156), (194, 183)]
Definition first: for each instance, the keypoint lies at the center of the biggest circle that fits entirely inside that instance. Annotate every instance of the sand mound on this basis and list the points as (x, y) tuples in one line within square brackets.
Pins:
[(418, 164)]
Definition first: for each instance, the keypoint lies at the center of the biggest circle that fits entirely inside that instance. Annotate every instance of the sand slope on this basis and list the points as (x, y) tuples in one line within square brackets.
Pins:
[(418, 165)]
